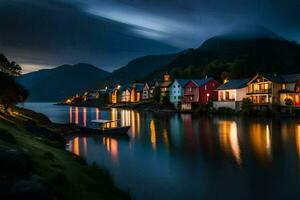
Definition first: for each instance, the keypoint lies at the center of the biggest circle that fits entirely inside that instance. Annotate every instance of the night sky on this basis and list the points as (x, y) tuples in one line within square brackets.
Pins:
[(109, 33)]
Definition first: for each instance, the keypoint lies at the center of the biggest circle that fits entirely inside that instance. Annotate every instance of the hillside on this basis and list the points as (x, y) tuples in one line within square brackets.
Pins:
[(140, 67), (237, 55), (61, 82)]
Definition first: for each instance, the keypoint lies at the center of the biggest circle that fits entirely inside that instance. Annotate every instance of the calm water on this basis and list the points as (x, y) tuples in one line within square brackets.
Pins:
[(184, 156)]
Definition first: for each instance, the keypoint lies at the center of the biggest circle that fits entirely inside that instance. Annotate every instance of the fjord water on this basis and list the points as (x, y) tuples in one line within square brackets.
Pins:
[(188, 156)]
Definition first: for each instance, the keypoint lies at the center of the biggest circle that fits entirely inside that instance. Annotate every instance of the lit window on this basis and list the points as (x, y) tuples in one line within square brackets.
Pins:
[(205, 87), (283, 86), (191, 98), (190, 89)]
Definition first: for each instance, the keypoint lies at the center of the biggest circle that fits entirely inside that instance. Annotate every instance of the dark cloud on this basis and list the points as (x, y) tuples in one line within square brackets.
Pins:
[(108, 33)]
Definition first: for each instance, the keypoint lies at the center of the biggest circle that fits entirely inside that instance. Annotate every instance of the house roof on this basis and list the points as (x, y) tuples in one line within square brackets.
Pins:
[(201, 82), (234, 84), (181, 82), (278, 78)]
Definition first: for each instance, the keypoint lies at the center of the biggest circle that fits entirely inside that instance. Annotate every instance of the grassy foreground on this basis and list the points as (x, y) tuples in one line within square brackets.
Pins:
[(66, 175)]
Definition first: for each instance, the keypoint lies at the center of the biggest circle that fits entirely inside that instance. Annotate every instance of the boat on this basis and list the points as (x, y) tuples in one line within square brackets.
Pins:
[(107, 127)]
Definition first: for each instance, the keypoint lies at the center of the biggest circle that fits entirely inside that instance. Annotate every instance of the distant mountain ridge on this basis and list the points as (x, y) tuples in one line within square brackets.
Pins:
[(236, 54), (61, 82), (240, 53), (140, 67)]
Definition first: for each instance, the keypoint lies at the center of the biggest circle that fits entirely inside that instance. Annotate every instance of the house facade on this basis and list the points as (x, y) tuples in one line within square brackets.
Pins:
[(176, 91), (273, 89), (165, 86), (199, 92), (136, 92), (126, 92), (146, 91), (231, 94)]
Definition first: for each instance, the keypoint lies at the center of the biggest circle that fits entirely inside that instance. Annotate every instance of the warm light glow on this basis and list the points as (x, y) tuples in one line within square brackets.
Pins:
[(153, 134), (132, 124), (76, 146), (97, 113), (76, 115), (260, 140), (84, 117), (297, 138), (112, 147), (166, 138), (71, 114), (85, 146), (229, 139)]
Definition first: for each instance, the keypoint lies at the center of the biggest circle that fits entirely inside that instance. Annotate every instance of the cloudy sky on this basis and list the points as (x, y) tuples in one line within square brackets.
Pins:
[(109, 33)]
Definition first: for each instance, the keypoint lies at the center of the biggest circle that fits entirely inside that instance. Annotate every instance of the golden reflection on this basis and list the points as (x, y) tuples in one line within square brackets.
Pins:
[(229, 139), (76, 115), (97, 113), (166, 138), (85, 146), (71, 114), (138, 123), (133, 124), (112, 147), (76, 146), (298, 140), (284, 133), (260, 140), (153, 134), (84, 117), (114, 117)]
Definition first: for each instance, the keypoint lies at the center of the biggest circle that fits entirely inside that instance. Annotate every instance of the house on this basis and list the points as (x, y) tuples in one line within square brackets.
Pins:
[(126, 93), (176, 91), (165, 86), (136, 92), (273, 89), (115, 95), (231, 94), (199, 92), (146, 91), (152, 86)]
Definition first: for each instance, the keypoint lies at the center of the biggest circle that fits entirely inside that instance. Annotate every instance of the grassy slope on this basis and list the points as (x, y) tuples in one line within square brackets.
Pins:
[(67, 174)]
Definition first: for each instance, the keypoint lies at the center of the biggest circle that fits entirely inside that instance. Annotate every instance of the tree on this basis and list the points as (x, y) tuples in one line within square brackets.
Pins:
[(156, 94), (11, 92)]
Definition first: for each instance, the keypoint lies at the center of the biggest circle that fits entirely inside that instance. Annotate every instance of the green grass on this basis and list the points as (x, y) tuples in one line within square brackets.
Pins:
[(68, 175)]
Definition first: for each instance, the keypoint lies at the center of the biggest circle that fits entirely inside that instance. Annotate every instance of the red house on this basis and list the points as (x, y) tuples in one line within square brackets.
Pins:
[(199, 92)]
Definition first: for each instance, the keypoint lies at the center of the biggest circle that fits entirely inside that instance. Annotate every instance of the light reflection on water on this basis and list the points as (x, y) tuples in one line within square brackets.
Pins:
[(184, 156)]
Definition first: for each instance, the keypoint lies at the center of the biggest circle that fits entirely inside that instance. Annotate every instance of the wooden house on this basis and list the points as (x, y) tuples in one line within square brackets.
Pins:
[(136, 92), (231, 94), (176, 91), (146, 91), (165, 85), (199, 92), (126, 93)]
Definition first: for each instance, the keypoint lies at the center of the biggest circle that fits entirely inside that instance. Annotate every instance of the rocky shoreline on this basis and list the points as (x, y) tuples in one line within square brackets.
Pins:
[(35, 164)]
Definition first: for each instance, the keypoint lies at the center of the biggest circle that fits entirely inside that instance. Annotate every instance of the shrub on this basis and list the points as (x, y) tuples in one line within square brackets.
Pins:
[(7, 137)]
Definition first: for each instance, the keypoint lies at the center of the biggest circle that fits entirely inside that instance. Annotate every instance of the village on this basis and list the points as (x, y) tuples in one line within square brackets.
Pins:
[(274, 92)]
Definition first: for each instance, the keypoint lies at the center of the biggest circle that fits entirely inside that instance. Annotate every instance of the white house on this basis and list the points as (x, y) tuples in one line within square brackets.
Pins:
[(176, 91), (146, 91), (231, 94)]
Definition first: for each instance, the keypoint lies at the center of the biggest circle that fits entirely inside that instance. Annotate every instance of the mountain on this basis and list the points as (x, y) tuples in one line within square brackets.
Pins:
[(56, 84), (239, 53), (140, 67)]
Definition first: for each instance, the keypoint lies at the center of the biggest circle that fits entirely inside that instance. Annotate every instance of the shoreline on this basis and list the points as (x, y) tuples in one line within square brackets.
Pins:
[(59, 173)]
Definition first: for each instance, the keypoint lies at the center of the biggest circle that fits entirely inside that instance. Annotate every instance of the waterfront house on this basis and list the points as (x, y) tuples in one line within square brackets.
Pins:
[(274, 89), (152, 86), (146, 91), (199, 92), (231, 94), (165, 86), (126, 93), (115, 95), (176, 91), (136, 92)]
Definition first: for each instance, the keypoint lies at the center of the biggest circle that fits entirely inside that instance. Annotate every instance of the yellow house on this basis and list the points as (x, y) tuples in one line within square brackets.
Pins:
[(274, 89)]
